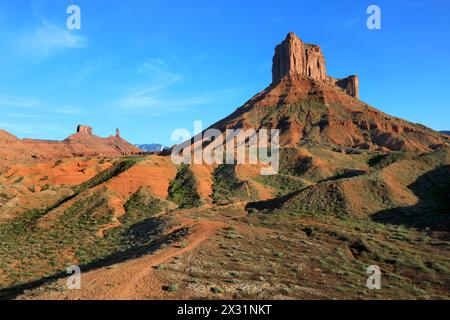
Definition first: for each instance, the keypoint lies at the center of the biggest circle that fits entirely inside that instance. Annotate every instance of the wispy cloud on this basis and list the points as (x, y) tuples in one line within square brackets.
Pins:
[(25, 47), (24, 115), (149, 102), (31, 129), (13, 101), (68, 111), (39, 108), (159, 75), (154, 99), (47, 39), (158, 78)]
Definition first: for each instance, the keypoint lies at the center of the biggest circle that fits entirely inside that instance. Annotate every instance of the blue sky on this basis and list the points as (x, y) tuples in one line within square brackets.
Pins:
[(150, 67)]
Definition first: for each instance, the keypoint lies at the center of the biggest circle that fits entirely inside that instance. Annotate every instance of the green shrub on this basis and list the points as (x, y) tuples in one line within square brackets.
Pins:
[(172, 288), (183, 189), (226, 186)]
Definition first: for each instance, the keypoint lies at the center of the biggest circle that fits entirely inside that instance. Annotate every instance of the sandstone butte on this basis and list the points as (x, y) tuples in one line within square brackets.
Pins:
[(307, 105), (82, 143), (312, 108)]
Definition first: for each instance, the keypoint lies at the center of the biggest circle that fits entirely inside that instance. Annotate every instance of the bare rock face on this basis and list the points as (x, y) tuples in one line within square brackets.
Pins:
[(84, 129), (295, 59), (349, 85), (311, 108)]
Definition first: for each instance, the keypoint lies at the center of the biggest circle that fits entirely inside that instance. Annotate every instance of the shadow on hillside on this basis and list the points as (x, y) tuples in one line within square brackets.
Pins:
[(349, 173), (132, 253), (268, 206), (433, 209)]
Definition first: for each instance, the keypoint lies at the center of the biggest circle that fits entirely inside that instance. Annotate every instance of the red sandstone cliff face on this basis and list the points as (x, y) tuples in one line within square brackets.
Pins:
[(82, 143), (311, 108), (350, 85), (84, 129), (295, 59)]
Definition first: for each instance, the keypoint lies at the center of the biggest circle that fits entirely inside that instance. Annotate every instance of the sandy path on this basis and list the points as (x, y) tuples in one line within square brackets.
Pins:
[(136, 279)]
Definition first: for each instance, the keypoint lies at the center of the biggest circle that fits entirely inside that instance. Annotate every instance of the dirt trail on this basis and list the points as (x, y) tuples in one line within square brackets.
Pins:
[(136, 279)]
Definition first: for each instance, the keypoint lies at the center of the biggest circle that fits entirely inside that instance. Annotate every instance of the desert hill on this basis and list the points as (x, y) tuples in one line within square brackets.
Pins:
[(312, 108), (82, 143)]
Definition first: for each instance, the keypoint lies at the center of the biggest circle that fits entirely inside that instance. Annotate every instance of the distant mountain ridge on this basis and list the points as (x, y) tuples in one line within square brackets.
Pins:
[(152, 147), (445, 132)]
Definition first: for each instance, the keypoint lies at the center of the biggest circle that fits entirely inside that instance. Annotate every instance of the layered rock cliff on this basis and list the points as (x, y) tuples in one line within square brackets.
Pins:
[(310, 107), (84, 129), (295, 59)]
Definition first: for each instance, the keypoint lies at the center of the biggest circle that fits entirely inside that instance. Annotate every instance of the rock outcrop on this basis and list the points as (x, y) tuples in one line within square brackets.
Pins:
[(311, 108), (349, 85), (84, 129), (295, 59)]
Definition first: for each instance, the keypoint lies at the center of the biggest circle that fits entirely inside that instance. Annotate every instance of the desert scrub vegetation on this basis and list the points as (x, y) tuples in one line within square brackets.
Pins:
[(4, 195), (381, 161), (226, 186), (298, 111), (135, 234), (283, 184), (171, 288), (413, 266), (100, 178), (31, 252), (183, 189), (108, 174)]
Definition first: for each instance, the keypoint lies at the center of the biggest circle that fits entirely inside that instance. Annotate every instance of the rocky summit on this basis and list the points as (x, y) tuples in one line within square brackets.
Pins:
[(312, 108), (295, 59)]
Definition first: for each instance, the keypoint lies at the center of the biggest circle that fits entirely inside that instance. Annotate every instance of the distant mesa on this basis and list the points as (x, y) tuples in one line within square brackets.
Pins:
[(82, 143), (446, 132), (84, 129)]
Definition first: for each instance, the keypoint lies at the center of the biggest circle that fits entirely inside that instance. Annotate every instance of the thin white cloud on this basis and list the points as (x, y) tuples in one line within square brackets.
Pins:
[(158, 74), (68, 110), (140, 99), (29, 46), (158, 78), (31, 129), (24, 115), (154, 99), (45, 40), (149, 102), (12, 101)]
